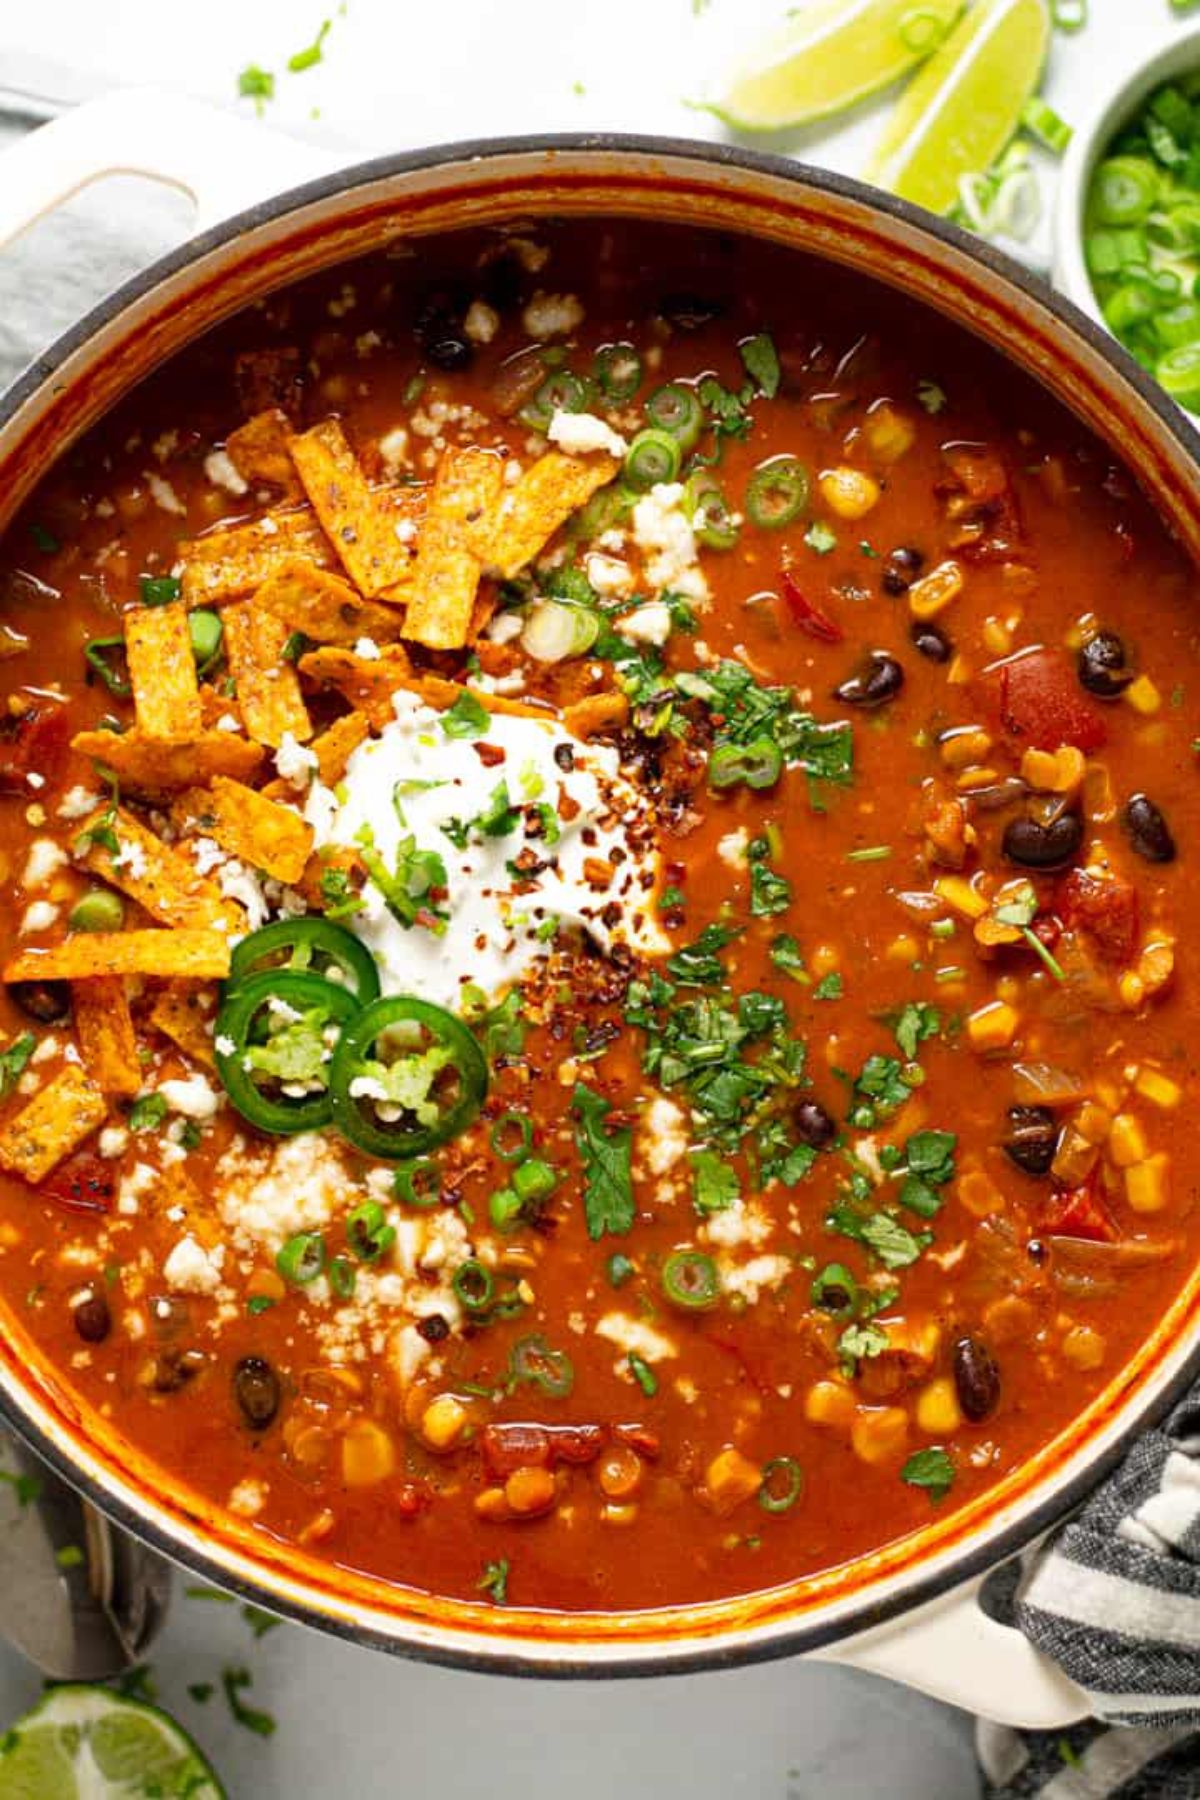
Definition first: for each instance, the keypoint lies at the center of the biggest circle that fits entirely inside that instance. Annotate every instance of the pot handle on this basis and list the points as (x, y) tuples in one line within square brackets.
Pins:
[(953, 1651), (222, 162)]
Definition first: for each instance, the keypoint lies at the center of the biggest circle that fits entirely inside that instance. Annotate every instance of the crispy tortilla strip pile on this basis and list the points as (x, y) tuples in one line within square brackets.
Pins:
[(360, 522), (55, 1122), (248, 825), (107, 1041)]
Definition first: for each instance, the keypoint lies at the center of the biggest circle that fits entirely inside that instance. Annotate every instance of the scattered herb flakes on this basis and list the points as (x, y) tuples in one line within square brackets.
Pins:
[(148, 1113), (494, 1581), (858, 1343), (761, 360), (931, 1470), (234, 1682), (770, 892), (931, 397), (198, 1591), (881, 1088), (201, 1692), (311, 54), (893, 1243), (138, 1683), (256, 84), (643, 1374), (821, 537), (830, 987), (929, 1161), (916, 1022), (467, 718), (715, 1185), (13, 1061), (786, 955), (70, 1556), (607, 1165), (259, 1620), (699, 964), (27, 1488)]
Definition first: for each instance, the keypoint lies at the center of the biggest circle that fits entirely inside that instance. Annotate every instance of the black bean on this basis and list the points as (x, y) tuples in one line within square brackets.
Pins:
[(931, 641), (1036, 846), (1148, 831), (48, 1002), (900, 569), (1103, 666), (878, 680), (1031, 1139), (172, 1370), (433, 1328), (93, 1320), (689, 311), (256, 1390), (439, 332), (814, 1126), (976, 1378), (564, 757)]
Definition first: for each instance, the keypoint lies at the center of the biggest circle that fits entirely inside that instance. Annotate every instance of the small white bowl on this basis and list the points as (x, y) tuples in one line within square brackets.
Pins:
[(1179, 55)]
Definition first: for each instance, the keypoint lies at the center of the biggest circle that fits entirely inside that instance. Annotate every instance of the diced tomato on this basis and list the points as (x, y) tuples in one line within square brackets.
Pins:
[(83, 1184), (1106, 908), (1040, 702), (32, 743), (1078, 1213), (806, 614)]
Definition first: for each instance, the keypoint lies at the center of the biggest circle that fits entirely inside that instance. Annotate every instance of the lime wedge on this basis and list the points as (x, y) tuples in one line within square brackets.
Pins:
[(88, 1743), (965, 104), (830, 54)]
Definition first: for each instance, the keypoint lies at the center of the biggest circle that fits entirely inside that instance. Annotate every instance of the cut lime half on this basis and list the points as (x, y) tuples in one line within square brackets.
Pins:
[(89, 1743), (965, 104), (830, 54)]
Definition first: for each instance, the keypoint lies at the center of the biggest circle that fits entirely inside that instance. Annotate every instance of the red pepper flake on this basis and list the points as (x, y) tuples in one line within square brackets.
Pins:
[(806, 615)]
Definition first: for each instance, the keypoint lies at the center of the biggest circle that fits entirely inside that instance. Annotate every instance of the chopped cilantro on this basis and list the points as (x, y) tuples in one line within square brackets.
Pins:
[(698, 964), (159, 590), (931, 1470), (259, 1303), (786, 955), (234, 1681), (148, 1113), (880, 1090), (762, 363), (770, 892), (467, 718), (913, 1024), (715, 1185), (858, 1342), (311, 54), (931, 397), (893, 1243), (790, 1166), (494, 1581), (338, 895), (607, 1170), (256, 84), (727, 410), (259, 1620), (500, 1029), (200, 1691), (830, 987), (13, 1061), (820, 537), (929, 1159), (27, 1488), (643, 1374), (409, 888), (619, 1269), (670, 898)]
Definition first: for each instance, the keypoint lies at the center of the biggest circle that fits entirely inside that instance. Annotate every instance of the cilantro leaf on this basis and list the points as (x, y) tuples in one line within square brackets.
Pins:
[(913, 1024), (148, 1113), (893, 1243), (820, 537), (494, 1581), (467, 718), (698, 964), (13, 1061), (830, 987), (931, 1470), (607, 1165), (762, 363), (252, 1717), (715, 1185), (785, 953), (770, 892), (880, 1090), (859, 1342), (311, 54)]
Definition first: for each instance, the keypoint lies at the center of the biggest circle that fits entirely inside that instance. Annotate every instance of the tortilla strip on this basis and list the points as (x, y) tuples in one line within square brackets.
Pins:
[(360, 521), (229, 564), (155, 765), (196, 955), (544, 498), (162, 671), (324, 606), (599, 712), (180, 1014), (454, 547), (258, 451), (256, 830), (268, 688), (56, 1121), (334, 748), (437, 692), (161, 879), (368, 683), (104, 1027)]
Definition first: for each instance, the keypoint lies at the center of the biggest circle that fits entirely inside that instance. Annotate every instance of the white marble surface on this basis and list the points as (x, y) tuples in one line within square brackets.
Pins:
[(397, 75)]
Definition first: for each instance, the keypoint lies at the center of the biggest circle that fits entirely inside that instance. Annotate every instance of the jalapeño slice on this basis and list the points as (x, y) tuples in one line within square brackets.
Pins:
[(310, 945), (406, 1076), (273, 1043)]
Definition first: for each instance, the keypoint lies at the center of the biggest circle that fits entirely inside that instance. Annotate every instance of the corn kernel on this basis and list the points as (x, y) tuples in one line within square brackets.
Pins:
[(1093, 1123), (938, 1411), (1146, 1185), (1127, 1141), (889, 433), (823, 960), (729, 1479), (959, 749), (530, 1490), (979, 1194), (368, 1454), (625, 1514), (1008, 989), (1074, 1158), (829, 1403), (1158, 1088), (1084, 1346), (492, 1505), (997, 637), (1143, 696), (443, 1422), (1156, 964), (903, 949), (1099, 802), (1037, 769), (980, 777), (879, 1435), (1132, 990), (992, 1027), (960, 895), (848, 492), (934, 592)]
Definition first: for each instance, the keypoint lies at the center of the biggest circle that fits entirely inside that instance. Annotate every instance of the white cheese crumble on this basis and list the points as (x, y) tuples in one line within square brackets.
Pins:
[(193, 1096), (663, 533), (393, 449), (579, 434), (740, 1223), (482, 322), (665, 1135), (415, 782), (223, 472), (45, 859), (552, 315), (77, 802), (164, 495), (265, 1196), (732, 847), (610, 577), (38, 917), (191, 1269), (650, 624), (636, 1338), (295, 762)]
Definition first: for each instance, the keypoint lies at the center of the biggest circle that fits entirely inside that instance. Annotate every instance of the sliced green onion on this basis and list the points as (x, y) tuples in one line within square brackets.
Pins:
[(342, 1277), (206, 632), (1124, 189), (159, 590), (534, 1179), (532, 1360), (368, 1233), (1046, 125), (777, 493), (835, 1291), (504, 1209), (473, 1285), (1177, 325), (106, 657), (560, 392), (706, 506), (617, 371), (758, 764), (676, 410), (418, 1183), (782, 1484), (690, 1280), (502, 1136), (872, 853), (557, 629), (653, 457), (302, 1258)]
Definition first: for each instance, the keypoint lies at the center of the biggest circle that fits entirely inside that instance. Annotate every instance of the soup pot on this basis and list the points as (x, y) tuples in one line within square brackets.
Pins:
[(909, 1610)]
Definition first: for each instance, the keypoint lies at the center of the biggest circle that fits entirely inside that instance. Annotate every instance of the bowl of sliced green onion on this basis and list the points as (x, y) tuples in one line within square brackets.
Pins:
[(1128, 222)]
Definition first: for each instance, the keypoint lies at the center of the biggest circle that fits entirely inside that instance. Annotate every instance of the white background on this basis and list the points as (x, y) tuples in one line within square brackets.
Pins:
[(398, 75)]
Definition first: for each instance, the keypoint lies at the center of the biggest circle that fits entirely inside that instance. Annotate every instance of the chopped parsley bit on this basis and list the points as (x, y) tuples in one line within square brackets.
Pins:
[(1021, 911), (643, 1374), (698, 964), (929, 1160), (785, 953), (726, 410), (931, 1470), (138, 1683), (619, 1269), (200, 1691), (256, 84), (882, 1087), (148, 1113), (200, 1592), (494, 1581), (69, 1557), (607, 1165), (715, 1185), (311, 55), (467, 718), (931, 397), (893, 1243), (27, 1488), (868, 549), (295, 646), (750, 712), (820, 537), (13, 1061), (102, 832), (338, 895), (913, 1024), (830, 987), (872, 853), (858, 1342), (408, 889), (233, 1681), (761, 362), (259, 1620), (670, 898), (259, 1303), (190, 1137), (770, 892)]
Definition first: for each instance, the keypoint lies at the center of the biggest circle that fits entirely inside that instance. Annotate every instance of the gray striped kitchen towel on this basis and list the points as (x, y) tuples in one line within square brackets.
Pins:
[(1115, 1601)]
